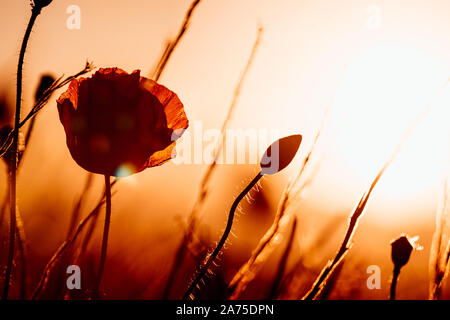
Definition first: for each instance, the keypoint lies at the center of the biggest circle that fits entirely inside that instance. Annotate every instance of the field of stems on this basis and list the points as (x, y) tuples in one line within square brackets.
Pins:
[(96, 113)]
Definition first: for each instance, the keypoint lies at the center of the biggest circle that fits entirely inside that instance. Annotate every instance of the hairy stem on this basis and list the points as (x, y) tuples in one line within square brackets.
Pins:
[(13, 166), (224, 238), (203, 191)]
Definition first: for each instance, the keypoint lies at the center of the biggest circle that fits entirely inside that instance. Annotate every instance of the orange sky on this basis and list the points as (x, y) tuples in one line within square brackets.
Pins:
[(312, 52)]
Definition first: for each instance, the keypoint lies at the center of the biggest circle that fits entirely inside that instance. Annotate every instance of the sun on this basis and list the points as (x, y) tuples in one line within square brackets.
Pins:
[(384, 90)]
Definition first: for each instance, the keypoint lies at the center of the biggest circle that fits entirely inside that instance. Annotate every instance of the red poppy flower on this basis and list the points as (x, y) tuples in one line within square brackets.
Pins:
[(118, 123)]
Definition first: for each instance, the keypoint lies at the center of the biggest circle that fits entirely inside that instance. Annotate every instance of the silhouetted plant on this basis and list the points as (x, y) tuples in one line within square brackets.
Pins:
[(135, 125), (327, 272), (400, 253), (440, 247), (36, 7), (204, 187), (276, 158), (248, 271)]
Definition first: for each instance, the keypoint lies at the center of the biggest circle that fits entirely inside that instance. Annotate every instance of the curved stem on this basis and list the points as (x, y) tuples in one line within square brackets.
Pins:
[(105, 236), (222, 241), (13, 158), (394, 283)]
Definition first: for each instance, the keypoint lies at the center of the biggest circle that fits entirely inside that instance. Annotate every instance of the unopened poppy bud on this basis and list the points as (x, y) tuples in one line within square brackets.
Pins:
[(280, 154), (41, 3), (401, 251), (44, 84)]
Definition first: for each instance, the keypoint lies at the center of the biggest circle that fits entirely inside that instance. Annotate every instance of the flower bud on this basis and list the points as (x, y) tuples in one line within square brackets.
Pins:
[(45, 83), (280, 154), (401, 251), (39, 4)]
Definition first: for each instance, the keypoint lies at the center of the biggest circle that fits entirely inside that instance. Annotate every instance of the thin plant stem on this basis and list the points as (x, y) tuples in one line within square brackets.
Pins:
[(39, 105), (204, 184), (22, 248), (283, 263), (21, 238), (105, 235), (15, 141), (65, 245), (77, 208), (30, 130), (21, 243), (88, 237), (439, 248), (265, 246), (394, 281), (327, 272), (205, 267), (23, 270), (81, 250), (170, 47), (4, 206)]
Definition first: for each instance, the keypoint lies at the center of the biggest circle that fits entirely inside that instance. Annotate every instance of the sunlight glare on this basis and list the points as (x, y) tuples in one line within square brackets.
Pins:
[(383, 92)]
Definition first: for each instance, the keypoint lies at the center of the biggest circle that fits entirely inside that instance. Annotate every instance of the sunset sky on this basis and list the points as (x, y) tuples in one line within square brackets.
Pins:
[(376, 76)]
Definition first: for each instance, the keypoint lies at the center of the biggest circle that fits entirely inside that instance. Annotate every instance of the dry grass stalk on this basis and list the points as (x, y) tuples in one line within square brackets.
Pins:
[(266, 245), (283, 262), (65, 245), (45, 82), (4, 207), (58, 84), (10, 144), (331, 267), (75, 216), (204, 184), (301, 269), (87, 238), (21, 243), (157, 74), (35, 11), (331, 283), (20, 232), (23, 249), (171, 45), (440, 248)]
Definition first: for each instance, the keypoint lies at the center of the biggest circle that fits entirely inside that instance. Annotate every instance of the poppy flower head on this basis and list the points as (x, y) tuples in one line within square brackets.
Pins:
[(118, 123)]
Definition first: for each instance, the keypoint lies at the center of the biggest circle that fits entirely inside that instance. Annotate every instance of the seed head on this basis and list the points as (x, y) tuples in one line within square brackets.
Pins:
[(39, 4), (45, 83), (401, 250)]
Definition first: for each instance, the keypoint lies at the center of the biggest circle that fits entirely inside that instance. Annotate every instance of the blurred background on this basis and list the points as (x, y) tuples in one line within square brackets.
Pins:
[(376, 65)]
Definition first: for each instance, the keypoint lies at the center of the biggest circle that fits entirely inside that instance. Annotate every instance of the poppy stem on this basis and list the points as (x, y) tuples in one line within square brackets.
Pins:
[(224, 238), (395, 275), (105, 235), (13, 157)]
